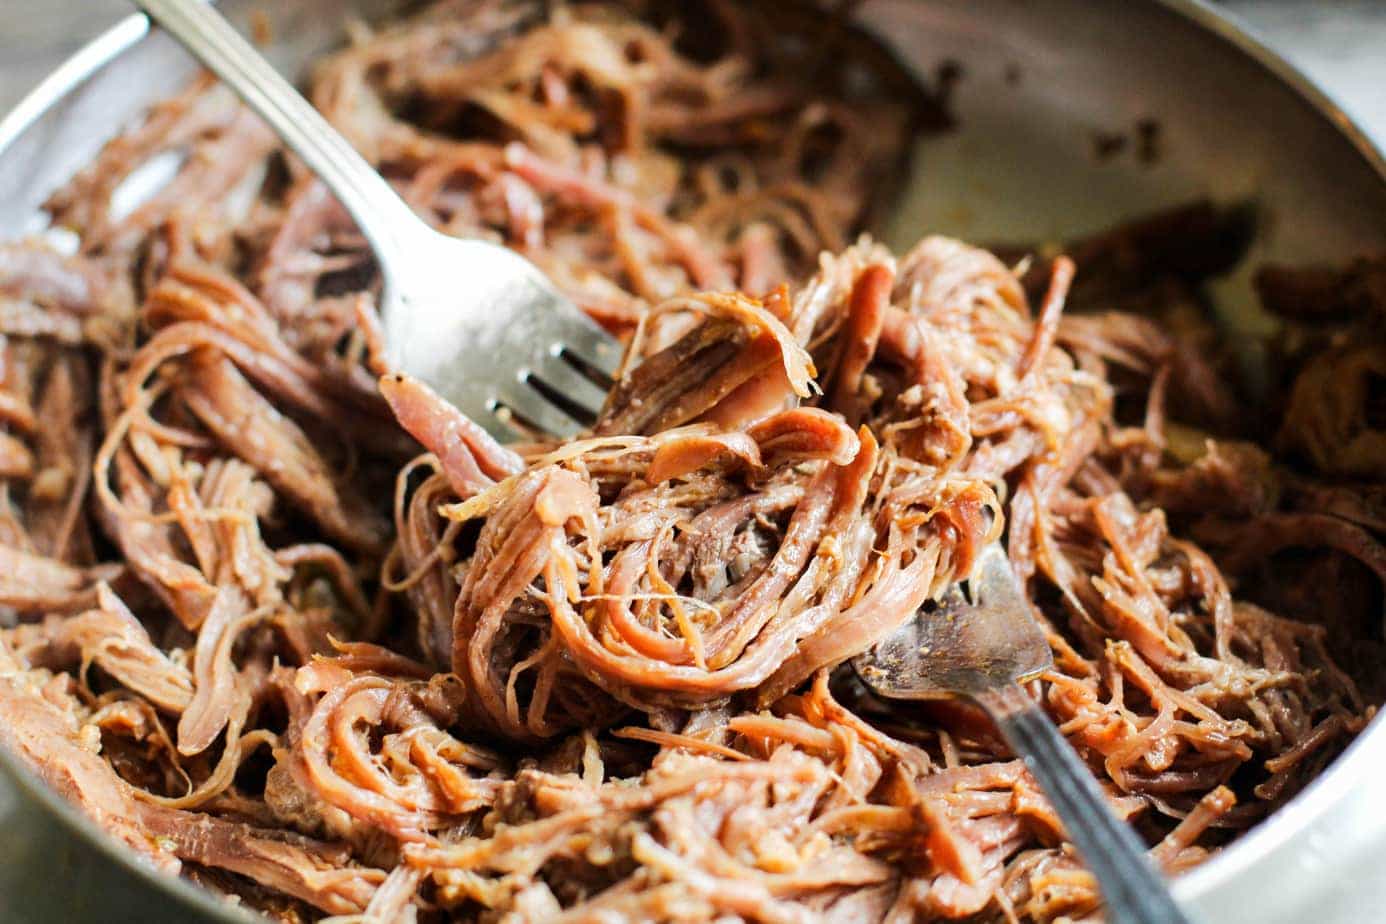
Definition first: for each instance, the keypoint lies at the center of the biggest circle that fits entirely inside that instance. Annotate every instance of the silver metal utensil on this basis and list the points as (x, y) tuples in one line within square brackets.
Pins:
[(983, 650), (477, 322), (1039, 77)]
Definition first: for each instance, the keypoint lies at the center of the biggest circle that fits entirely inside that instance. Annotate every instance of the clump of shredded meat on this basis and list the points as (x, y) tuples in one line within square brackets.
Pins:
[(266, 642)]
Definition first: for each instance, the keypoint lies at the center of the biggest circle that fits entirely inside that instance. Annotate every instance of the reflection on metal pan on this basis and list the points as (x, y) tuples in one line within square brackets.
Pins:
[(1038, 82)]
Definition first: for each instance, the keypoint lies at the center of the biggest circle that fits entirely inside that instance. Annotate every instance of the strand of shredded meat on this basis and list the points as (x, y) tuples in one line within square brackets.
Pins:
[(286, 622)]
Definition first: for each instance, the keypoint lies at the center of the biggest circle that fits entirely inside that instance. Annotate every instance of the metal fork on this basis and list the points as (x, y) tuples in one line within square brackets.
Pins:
[(477, 322), (983, 650)]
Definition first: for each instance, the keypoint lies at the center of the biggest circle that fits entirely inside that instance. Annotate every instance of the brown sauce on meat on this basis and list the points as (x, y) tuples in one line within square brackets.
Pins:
[(292, 625)]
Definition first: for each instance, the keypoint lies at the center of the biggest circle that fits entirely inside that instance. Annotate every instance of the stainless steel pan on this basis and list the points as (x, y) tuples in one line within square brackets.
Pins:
[(1039, 78)]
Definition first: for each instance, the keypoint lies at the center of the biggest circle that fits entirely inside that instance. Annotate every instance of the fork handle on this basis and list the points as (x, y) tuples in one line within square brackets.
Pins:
[(380, 214), (1134, 892)]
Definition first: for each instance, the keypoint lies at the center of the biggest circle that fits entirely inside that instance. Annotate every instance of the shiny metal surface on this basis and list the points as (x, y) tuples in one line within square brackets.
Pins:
[(981, 645), (475, 321), (1039, 78), (969, 644)]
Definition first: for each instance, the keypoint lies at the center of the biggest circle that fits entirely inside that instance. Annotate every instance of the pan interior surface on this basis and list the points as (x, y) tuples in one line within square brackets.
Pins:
[(1035, 87)]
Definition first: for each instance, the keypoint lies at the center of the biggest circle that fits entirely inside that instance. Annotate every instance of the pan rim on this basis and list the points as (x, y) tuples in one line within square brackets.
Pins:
[(1229, 868)]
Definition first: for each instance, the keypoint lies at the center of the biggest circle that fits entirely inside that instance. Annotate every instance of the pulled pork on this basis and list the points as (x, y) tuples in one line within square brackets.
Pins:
[(268, 643)]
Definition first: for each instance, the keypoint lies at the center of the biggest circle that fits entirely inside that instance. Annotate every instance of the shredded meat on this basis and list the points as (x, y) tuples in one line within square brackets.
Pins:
[(287, 623)]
